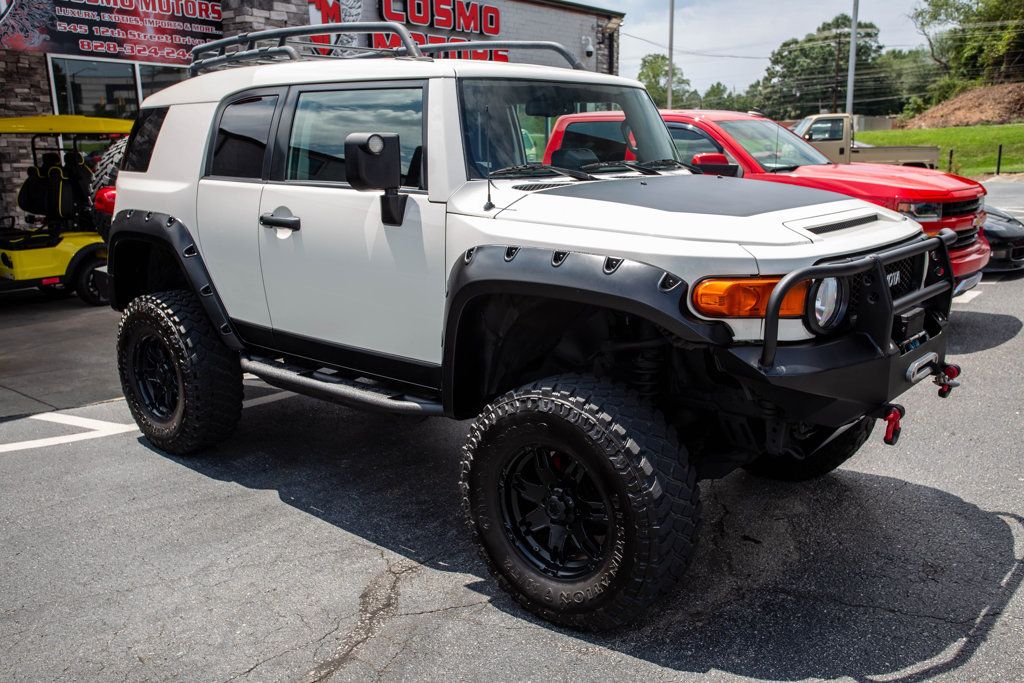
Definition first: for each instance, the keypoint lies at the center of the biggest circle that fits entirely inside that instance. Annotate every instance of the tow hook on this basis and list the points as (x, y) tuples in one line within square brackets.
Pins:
[(946, 380), (892, 418)]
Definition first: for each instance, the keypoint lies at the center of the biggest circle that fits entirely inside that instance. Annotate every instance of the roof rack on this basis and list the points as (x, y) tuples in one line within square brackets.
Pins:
[(287, 44)]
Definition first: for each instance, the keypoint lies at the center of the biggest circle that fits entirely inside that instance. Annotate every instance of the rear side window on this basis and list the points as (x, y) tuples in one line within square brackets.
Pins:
[(143, 140), (241, 145)]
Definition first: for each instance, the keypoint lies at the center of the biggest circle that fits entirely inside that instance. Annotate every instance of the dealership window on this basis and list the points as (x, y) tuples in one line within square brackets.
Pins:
[(107, 87)]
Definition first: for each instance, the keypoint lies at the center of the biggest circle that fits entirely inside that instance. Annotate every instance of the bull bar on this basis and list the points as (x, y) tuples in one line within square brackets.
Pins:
[(872, 262)]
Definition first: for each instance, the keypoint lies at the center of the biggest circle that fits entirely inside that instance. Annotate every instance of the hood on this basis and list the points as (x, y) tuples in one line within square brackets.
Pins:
[(1001, 225), (884, 182), (691, 207)]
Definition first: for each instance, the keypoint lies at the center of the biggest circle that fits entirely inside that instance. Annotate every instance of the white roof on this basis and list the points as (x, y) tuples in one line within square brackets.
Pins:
[(215, 85)]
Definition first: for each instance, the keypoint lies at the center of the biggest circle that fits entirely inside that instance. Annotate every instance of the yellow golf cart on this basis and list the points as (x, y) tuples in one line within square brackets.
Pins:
[(55, 246)]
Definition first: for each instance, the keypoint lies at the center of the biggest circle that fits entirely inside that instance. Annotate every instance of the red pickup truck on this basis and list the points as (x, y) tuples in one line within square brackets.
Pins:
[(754, 147)]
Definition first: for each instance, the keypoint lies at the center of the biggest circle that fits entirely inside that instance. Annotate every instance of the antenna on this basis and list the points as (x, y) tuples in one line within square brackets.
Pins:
[(489, 205)]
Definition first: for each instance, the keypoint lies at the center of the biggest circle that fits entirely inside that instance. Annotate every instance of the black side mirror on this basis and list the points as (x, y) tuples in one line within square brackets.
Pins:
[(373, 162)]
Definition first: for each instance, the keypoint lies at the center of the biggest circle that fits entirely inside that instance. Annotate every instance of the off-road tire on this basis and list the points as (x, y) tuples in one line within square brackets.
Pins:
[(208, 373), (85, 283), (634, 454), (103, 176), (831, 456)]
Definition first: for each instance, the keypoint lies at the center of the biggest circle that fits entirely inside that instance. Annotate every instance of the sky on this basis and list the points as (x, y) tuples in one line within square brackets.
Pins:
[(749, 28)]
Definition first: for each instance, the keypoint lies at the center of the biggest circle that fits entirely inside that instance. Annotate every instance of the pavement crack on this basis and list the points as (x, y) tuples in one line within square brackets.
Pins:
[(444, 609), (378, 604)]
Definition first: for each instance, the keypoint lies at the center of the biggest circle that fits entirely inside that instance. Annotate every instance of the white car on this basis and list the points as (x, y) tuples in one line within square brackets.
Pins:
[(369, 232)]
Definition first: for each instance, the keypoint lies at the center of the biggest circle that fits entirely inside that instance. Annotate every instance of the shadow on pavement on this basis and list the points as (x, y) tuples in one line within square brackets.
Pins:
[(973, 331), (854, 575)]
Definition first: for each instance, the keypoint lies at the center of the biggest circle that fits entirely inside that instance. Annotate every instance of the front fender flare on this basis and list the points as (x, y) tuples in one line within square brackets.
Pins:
[(610, 282)]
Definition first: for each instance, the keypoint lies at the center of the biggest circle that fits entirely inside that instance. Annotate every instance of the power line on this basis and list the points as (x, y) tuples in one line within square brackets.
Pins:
[(691, 52)]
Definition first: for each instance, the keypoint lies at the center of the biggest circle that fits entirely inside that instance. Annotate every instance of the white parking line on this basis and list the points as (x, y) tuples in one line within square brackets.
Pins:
[(967, 297), (97, 429)]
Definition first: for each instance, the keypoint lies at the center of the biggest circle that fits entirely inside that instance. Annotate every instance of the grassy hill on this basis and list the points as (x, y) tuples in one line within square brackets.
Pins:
[(974, 147)]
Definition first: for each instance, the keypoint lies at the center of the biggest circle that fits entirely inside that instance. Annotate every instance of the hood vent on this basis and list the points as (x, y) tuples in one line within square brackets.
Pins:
[(843, 225), (533, 187)]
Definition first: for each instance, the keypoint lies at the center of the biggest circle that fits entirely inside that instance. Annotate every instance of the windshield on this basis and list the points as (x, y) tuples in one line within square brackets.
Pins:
[(508, 123), (774, 147)]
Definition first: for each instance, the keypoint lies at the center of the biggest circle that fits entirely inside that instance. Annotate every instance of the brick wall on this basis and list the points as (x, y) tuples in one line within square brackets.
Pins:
[(242, 16), (25, 92)]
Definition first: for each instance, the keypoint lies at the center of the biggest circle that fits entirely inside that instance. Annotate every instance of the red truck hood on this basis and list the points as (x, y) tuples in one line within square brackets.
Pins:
[(882, 183)]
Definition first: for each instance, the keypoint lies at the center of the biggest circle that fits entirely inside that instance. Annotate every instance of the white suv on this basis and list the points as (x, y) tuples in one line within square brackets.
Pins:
[(372, 232)]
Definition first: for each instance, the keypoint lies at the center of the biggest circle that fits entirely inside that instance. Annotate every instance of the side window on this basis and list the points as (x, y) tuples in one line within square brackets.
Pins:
[(241, 144), (827, 130), (142, 141), (690, 141), (323, 119), (603, 138)]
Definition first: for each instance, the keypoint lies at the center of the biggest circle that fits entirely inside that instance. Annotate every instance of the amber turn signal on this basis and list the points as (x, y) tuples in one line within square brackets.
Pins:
[(746, 298)]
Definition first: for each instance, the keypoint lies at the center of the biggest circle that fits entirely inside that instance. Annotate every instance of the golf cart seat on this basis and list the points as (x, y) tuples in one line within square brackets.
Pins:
[(32, 198)]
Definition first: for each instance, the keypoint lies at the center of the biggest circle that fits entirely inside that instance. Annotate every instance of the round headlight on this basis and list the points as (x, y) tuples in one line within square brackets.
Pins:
[(375, 145), (828, 301)]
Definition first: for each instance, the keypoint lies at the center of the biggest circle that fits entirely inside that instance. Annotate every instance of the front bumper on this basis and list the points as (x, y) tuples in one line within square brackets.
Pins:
[(894, 340), (1007, 256)]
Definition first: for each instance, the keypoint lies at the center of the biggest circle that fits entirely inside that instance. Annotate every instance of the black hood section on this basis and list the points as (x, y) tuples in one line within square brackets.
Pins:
[(705, 194)]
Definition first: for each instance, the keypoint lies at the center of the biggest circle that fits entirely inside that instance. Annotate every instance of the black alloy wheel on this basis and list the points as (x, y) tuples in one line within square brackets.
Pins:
[(555, 514), (157, 379)]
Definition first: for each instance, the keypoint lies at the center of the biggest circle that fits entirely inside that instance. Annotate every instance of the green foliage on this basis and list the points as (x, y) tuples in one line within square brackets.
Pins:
[(808, 75), (974, 147), (973, 40), (654, 76)]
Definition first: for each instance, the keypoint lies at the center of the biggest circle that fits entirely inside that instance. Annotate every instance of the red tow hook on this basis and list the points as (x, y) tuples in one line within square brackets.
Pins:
[(893, 428), (946, 379)]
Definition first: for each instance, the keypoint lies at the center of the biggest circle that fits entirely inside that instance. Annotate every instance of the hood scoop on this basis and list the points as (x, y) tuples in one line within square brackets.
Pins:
[(843, 225)]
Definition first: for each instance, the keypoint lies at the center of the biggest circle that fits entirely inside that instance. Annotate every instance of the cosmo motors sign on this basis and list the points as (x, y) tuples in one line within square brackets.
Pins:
[(431, 22)]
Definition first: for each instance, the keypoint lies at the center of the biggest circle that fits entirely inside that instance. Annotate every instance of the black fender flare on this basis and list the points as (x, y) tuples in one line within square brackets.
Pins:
[(81, 256), (611, 282), (166, 230)]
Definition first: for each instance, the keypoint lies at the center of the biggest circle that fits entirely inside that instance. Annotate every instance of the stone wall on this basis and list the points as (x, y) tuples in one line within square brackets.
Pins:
[(25, 92), (243, 16)]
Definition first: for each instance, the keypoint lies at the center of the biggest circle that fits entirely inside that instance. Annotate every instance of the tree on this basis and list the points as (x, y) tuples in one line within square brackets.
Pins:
[(973, 40), (808, 75), (654, 76)]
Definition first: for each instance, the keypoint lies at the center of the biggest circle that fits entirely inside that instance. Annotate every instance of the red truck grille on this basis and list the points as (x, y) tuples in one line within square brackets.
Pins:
[(964, 208), (965, 238)]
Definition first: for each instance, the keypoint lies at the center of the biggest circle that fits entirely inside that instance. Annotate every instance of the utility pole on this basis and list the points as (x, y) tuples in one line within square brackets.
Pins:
[(671, 50), (851, 70), (835, 77)]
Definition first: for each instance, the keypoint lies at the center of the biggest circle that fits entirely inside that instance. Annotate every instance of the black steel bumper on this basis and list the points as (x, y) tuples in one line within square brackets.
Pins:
[(875, 358)]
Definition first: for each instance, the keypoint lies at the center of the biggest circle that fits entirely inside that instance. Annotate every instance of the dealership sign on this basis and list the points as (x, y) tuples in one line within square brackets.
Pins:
[(460, 21), (161, 31)]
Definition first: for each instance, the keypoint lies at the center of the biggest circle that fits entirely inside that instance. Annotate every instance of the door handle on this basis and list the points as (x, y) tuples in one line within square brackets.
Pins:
[(269, 220)]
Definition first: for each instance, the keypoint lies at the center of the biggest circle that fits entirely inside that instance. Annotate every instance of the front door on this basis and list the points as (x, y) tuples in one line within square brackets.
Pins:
[(828, 136), (340, 284)]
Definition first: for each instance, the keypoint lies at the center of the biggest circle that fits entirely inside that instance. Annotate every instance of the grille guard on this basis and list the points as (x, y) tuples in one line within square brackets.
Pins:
[(880, 326)]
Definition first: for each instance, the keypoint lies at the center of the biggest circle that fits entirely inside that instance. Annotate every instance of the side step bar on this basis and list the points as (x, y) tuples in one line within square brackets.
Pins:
[(337, 389)]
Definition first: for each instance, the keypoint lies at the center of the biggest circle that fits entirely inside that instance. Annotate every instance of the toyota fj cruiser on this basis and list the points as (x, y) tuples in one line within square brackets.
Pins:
[(369, 232)]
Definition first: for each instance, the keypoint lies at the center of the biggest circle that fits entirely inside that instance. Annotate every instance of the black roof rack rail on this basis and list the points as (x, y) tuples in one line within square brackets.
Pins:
[(573, 60), (215, 54), (286, 44)]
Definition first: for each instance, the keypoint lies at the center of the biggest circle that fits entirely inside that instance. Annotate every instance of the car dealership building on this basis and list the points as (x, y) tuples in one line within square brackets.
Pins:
[(103, 57)]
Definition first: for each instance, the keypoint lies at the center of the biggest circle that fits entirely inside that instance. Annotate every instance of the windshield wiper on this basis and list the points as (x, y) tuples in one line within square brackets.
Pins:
[(663, 163), (784, 169), (530, 169), (620, 164)]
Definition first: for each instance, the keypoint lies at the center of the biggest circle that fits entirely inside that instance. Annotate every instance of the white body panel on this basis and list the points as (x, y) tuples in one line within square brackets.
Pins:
[(228, 230), (177, 163), (346, 278)]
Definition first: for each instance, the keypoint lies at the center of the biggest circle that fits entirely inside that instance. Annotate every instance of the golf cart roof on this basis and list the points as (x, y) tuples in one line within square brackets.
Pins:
[(63, 125)]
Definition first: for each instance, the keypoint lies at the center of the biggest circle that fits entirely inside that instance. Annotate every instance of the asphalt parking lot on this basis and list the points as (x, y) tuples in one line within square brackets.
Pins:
[(324, 543)]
